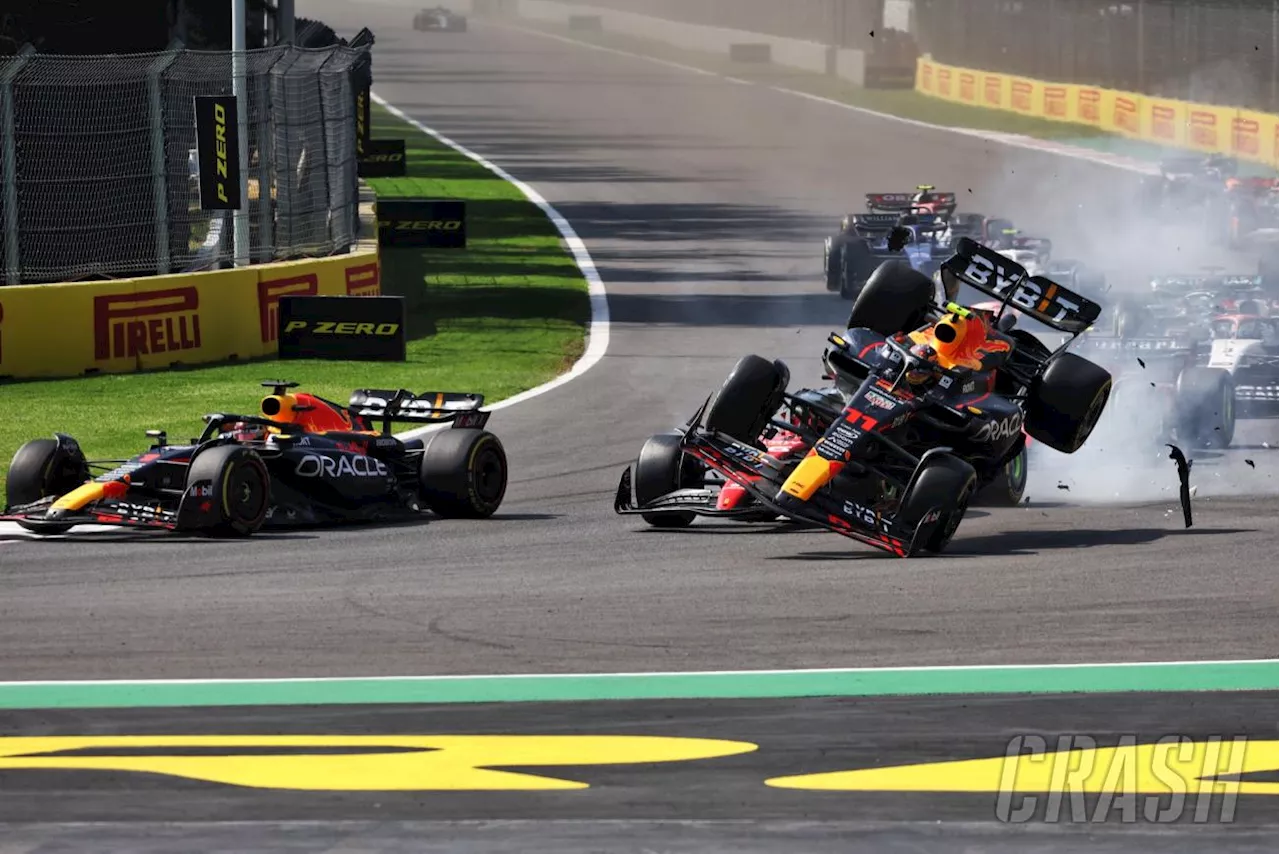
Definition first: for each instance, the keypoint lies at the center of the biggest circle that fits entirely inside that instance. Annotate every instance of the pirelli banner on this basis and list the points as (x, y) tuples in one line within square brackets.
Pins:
[(1246, 134), (163, 321)]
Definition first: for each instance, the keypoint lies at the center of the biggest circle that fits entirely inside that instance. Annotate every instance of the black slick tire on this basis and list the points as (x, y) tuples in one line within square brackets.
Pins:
[(241, 492), (1007, 487), (463, 473), (39, 469), (662, 467), (1065, 403), (748, 399), (895, 299), (1205, 408), (945, 483)]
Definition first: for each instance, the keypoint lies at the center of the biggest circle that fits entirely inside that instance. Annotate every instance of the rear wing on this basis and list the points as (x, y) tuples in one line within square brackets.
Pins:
[(890, 201), (436, 407), (1036, 296)]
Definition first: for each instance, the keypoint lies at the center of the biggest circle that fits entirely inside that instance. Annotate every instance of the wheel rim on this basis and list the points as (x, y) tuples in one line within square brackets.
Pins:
[(488, 476), (1017, 474), (247, 493)]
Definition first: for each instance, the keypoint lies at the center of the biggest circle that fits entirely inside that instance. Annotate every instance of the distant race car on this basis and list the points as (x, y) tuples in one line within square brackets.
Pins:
[(1248, 347), (931, 406), (1031, 253), (440, 18), (1187, 181), (992, 232), (925, 200), (303, 461), (868, 240), (1183, 306)]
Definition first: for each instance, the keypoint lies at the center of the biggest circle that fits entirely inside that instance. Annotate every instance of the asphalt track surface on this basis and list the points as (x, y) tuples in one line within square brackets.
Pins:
[(703, 203)]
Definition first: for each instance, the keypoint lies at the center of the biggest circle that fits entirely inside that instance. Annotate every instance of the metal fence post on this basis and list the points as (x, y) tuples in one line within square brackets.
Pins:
[(159, 170), (267, 171), (9, 156)]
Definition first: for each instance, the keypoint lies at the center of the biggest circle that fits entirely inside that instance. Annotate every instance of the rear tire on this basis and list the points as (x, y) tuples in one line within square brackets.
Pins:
[(39, 469), (241, 489), (663, 467), (896, 298), (945, 482), (1206, 408), (1007, 488), (1064, 405), (748, 399), (463, 473)]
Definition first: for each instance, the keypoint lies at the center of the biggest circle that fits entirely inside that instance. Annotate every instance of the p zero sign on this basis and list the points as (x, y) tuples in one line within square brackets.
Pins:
[(422, 223), (382, 158), (356, 328), (218, 151)]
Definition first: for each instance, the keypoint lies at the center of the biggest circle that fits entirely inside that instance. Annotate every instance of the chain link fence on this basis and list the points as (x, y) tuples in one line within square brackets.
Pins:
[(1209, 51), (98, 161)]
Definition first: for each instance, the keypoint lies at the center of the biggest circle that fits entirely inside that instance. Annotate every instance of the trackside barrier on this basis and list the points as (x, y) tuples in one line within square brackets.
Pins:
[(1246, 134), (77, 328)]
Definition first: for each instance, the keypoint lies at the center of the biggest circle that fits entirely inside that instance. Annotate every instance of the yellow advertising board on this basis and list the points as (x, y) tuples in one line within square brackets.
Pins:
[(1247, 134), (64, 330)]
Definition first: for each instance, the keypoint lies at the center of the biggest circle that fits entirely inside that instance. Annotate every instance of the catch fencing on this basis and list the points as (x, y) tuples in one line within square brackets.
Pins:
[(98, 166), (1220, 52)]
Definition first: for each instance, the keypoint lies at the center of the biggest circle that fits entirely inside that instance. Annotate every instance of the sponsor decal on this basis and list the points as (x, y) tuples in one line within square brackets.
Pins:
[(422, 223), (1004, 428), (1163, 125), (363, 280), (1245, 136), (968, 86), (218, 152), (1020, 92), (335, 327), (342, 327), (147, 322), (1089, 105), (201, 491), (1039, 296), (875, 398), (944, 382), (270, 292), (1202, 125), (316, 465), (926, 76), (944, 82), (1125, 115), (382, 158), (865, 515), (363, 110), (992, 90), (140, 511), (1055, 102)]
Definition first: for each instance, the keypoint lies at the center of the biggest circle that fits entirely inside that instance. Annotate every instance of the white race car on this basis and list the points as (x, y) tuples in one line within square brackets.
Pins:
[(1248, 346)]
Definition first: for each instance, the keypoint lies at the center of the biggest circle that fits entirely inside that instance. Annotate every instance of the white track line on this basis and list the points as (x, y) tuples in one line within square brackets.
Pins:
[(597, 333), (1009, 139), (944, 668)]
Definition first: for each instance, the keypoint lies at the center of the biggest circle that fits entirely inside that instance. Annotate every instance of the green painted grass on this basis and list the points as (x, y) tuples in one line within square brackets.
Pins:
[(504, 315)]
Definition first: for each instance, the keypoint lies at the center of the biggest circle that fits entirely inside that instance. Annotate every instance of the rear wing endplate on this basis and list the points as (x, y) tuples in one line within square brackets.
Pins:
[(1036, 296)]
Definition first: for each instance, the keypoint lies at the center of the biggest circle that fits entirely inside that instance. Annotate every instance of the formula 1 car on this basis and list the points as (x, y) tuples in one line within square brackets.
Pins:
[(868, 240), (441, 19), (925, 200), (929, 407), (303, 461), (1183, 306), (992, 232), (1248, 348)]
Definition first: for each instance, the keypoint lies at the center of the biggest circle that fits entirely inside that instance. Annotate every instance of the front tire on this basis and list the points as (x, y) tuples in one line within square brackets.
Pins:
[(748, 399), (463, 473), (896, 298), (42, 468), (945, 483), (240, 490), (661, 468)]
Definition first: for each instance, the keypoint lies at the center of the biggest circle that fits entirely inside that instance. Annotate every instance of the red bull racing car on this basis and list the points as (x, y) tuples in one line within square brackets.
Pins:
[(303, 461)]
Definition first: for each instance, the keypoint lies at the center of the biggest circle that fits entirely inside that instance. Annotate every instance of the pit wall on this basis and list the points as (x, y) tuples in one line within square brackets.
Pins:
[(1246, 134), (78, 328)]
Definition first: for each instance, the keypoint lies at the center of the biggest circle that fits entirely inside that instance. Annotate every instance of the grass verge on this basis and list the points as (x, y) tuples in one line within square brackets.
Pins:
[(505, 314)]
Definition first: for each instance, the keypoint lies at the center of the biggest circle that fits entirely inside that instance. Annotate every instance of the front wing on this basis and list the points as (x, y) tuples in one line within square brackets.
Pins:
[(762, 476), (105, 512)]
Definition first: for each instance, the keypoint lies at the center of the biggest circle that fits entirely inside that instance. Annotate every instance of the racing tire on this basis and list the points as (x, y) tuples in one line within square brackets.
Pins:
[(1007, 487), (663, 467), (1065, 403), (39, 469), (463, 473), (856, 266), (896, 298), (241, 493), (748, 398), (1205, 408), (833, 261), (944, 481)]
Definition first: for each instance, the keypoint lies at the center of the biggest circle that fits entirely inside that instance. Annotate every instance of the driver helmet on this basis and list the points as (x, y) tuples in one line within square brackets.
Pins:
[(924, 369)]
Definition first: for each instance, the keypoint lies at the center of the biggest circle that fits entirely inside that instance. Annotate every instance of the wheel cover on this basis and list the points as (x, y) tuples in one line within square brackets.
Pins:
[(488, 476), (247, 493)]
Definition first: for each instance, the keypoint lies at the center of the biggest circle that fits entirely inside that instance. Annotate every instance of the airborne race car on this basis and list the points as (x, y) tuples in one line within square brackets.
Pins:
[(893, 455), (440, 18), (305, 460)]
